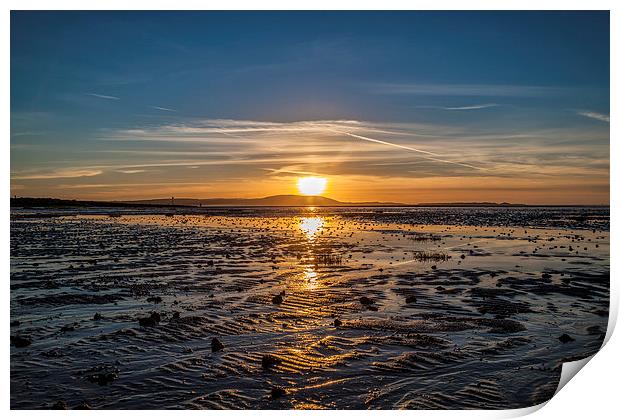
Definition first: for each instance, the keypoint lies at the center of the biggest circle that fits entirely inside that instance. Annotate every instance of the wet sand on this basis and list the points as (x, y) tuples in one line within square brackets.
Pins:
[(303, 308)]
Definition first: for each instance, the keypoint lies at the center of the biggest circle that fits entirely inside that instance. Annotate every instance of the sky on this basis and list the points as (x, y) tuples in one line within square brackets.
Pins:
[(388, 106)]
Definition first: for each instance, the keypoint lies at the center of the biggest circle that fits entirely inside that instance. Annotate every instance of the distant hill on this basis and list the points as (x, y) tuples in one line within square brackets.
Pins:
[(272, 201), (471, 204)]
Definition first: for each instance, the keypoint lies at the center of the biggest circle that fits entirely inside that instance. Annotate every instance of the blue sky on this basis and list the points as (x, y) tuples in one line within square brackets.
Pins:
[(135, 104)]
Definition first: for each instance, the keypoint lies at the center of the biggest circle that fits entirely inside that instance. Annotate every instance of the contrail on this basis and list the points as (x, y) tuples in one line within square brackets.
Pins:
[(97, 95), (413, 149)]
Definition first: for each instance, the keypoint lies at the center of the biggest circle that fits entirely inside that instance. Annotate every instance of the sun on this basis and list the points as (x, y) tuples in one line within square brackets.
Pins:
[(311, 185)]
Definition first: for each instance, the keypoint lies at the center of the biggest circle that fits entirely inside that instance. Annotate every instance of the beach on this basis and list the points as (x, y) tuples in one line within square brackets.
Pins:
[(305, 308)]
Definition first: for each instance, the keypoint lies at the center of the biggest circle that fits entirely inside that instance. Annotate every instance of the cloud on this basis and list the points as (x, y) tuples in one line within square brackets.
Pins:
[(161, 108), (272, 152), (465, 90), (131, 171), (460, 108), (59, 173), (108, 97), (594, 115), (412, 149)]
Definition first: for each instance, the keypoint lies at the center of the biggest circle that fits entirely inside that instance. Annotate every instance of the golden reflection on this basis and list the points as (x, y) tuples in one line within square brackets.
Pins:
[(310, 277), (311, 226)]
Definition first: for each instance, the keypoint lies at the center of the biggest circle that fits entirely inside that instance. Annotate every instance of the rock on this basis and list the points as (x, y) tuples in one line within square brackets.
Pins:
[(60, 405), (277, 392), (83, 406), (15, 323), (277, 299), (269, 360), (410, 299), (150, 321), (366, 301), (104, 378), (433, 267), (546, 276), (372, 308), (176, 315), (97, 317), (147, 322), (216, 345), (565, 338), (52, 353), (154, 299), (19, 341), (67, 328), (337, 322)]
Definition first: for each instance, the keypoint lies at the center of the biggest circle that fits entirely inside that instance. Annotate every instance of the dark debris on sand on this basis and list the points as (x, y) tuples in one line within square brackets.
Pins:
[(269, 360), (150, 321), (19, 341), (277, 392), (216, 345)]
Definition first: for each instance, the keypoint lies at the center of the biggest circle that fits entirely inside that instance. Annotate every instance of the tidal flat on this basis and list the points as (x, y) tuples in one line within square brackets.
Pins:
[(303, 308)]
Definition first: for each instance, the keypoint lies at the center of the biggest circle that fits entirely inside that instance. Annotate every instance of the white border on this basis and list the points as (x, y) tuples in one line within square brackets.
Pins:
[(592, 395)]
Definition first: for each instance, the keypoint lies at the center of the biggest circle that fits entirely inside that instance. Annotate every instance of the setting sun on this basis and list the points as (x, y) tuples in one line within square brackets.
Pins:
[(311, 185)]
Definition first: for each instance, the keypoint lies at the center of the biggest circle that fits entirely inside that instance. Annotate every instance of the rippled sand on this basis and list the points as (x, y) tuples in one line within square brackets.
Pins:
[(314, 309)]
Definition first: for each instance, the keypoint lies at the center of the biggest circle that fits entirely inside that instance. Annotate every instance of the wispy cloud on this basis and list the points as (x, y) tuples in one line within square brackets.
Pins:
[(460, 108), (594, 115), (108, 97), (59, 173), (412, 149), (201, 155), (161, 108), (465, 90), (131, 171)]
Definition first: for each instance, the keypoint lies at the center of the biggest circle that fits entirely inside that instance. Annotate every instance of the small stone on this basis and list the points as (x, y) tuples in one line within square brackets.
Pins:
[(151, 320), (277, 392), (19, 341), (366, 301), (410, 299), (60, 405), (269, 360), (97, 317), (104, 378), (565, 338), (216, 345), (277, 299), (337, 322)]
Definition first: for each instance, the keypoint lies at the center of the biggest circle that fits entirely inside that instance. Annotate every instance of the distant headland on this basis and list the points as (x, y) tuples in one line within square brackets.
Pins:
[(271, 201)]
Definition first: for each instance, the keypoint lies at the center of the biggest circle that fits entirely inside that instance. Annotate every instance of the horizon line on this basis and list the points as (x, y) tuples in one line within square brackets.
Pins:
[(143, 201)]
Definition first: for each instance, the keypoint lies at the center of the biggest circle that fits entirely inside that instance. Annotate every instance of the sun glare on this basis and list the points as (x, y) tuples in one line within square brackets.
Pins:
[(311, 185)]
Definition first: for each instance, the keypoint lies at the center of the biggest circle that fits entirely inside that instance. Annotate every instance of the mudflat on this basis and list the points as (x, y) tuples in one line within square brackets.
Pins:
[(428, 308)]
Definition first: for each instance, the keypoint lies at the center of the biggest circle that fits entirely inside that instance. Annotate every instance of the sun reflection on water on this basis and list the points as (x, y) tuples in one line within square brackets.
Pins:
[(311, 226), (310, 277)]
